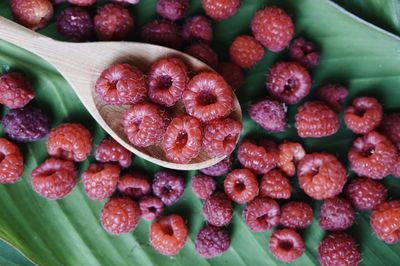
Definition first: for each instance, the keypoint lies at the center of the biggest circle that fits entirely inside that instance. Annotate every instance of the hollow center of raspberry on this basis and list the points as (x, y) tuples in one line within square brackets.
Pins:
[(69, 155), (2, 156), (290, 86), (182, 139), (286, 245), (207, 98), (167, 229), (368, 151), (239, 186), (166, 190), (360, 112), (314, 170), (134, 191), (152, 210), (164, 82)]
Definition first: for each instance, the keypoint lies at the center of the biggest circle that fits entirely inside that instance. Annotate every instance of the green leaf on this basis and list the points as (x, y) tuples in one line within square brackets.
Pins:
[(68, 232)]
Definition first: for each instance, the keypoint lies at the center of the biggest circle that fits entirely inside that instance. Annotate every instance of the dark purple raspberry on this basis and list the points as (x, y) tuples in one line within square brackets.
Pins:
[(304, 52), (336, 214), (168, 186), (197, 28), (269, 114), (221, 168), (75, 23), (218, 209), (172, 9), (203, 185), (151, 207), (162, 32), (212, 241)]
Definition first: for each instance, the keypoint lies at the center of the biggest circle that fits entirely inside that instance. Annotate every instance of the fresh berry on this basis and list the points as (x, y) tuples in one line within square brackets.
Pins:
[(11, 163), (168, 234), (162, 32), (258, 158), (296, 215), (70, 141), (82, 2), (336, 214), (232, 74), (196, 29), (391, 127), (15, 90), (134, 185), (304, 52), (121, 84), (151, 207), (111, 151), (316, 120), (168, 186), (395, 169), (218, 209), (372, 156), (275, 185), (220, 9), (208, 97), (241, 186), (269, 114), (364, 115), (172, 9), (286, 245), (204, 53), (288, 82), (365, 193), (203, 186), (75, 23), (212, 241), (261, 214), (33, 14), (321, 175), (218, 169), (273, 27), (338, 249), (385, 221), (290, 153), (246, 51), (54, 179), (167, 80), (333, 95)]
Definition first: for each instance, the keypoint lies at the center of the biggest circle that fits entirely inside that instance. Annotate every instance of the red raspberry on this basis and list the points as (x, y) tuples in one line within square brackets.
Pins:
[(269, 114), (70, 141), (338, 249), (111, 151), (218, 209), (321, 175), (162, 32), (273, 27), (208, 97), (304, 52), (121, 84), (144, 124), (275, 185), (290, 153), (220, 9), (203, 186), (288, 82), (385, 221), (75, 23), (151, 207), (134, 185), (372, 156), (196, 29), (246, 51), (333, 95), (286, 245), (82, 2), (168, 186), (296, 215), (364, 193), (221, 136), (204, 53), (11, 162), (182, 139), (172, 9), (212, 241), (33, 14), (218, 169), (391, 127), (316, 120), (258, 158), (168, 234), (54, 179), (241, 186), (364, 115), (261, 214), (15, 90), (113, 22), (120, 216), (232, 74), (168, 78), (336, 214)]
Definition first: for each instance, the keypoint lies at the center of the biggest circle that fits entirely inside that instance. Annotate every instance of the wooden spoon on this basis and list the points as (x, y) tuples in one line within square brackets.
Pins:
[(81, 64)]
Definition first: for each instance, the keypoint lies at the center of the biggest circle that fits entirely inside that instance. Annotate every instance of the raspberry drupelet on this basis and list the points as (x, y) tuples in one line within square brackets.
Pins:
[(269, 114), (365, 193), (204, 53), (110, 150), (220, 9), (33, 14), (258, 158), (197, 29), (261, 214), (305, 52), (169, 186), (275, 185), (232, 74), (286, 245), (241, 186), (296, 215), (162, 32), (246, 51), (151, 207), (11, 163), (385, 221), (218, 209), (203, 186), (212, 241), (338, 249), (134, 185), (220, 168), (333, 95), (290, 153), (364, 115), (336, 214), (172, 9), (15, 90)]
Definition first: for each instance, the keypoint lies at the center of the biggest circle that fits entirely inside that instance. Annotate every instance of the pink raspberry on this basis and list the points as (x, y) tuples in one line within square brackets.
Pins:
[(15, 90), (269, 114), (259, 158), (286, 245), (169, 186), (110, 150), (338, 249), (241, 186), (151, 207), (364, 115), (391, 127), (218, 209), (197, 28), (336, 214), (246, 51), (218, 169), (203, 52), (203, 186), (33, 14), (333, 95), (162, 32), (261, 214), (134, 185), (296, 215), (172, 9), (305, 52), (212, 241), (220, 9), (365, 193)]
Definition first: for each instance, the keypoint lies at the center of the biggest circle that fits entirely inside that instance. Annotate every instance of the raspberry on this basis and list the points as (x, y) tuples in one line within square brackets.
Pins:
[(168, 234), (296, 215), (269, 114), (196, 29), (304, 52), (364, 193), (364, 115), (82, 2), (261, 214), (172, 9), (26, 124), (113, 22), (120, 216), (182, 139), (168, 186), (275, 185), (258, 158), (203, 186), (100, 180), (168, 78), (241, 186), (11, 163), (151, 207), (144, 124), (321, 175), (218, 209), (246, 51), (289, 155), (333, 95), (75, 23), (286, 245), (33, 14), (273, 27), (221, 136), (218, 169), (338, 249), (336, 214), (162, 32), (204, 53), (288, 82), (212, 241), (54, 179), (316, 120), (134, 185), (372, 156), (385, 221), (111, 151), (70, 141), (391, 127), (121, 84), (15, 90), (395, 169), (220, 9), (232, 74)]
